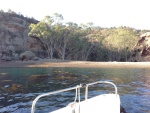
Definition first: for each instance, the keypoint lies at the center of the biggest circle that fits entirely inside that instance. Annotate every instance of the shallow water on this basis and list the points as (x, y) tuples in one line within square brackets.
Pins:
[(20, 86)]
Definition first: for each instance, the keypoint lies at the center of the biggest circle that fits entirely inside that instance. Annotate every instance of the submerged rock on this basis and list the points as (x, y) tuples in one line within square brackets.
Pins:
[(17, 88), (4, 76), (37, 78), (5, 83)]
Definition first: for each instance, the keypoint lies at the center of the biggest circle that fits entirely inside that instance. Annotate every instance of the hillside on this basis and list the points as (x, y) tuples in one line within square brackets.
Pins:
[(14, 37), (70, 41)]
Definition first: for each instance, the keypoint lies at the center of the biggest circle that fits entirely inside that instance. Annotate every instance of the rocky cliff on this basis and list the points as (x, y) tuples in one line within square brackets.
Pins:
[(14, 37), (141, 51)]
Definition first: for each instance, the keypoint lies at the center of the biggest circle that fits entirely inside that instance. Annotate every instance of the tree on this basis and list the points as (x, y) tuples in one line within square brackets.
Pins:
[(44, 32), (119, 43), (84, 42), (62, 36)]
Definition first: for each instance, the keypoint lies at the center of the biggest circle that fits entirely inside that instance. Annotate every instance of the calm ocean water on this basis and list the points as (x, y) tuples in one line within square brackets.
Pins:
[(20, 86)]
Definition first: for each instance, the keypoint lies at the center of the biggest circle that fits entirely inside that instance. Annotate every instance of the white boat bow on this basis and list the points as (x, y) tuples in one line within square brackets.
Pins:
[(104, 103)]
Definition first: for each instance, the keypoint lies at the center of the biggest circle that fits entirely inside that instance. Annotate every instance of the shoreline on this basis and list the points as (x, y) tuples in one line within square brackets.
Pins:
[(77, 64)]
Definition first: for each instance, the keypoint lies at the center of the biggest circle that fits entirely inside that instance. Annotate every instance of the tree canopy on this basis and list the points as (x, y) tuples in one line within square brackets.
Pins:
[(84, 42)]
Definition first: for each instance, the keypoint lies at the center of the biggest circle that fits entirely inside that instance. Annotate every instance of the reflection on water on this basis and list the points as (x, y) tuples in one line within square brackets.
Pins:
[(19, 87)]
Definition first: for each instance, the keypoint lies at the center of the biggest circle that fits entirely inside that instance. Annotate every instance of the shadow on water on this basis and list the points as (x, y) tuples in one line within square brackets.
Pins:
[(20, 86)]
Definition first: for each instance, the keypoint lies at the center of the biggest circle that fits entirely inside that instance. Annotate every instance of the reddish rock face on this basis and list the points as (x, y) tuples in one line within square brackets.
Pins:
[(142, 49)]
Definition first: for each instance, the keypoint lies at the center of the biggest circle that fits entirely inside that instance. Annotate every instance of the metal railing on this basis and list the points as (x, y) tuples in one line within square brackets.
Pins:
[(72, 88), (99, 82), (55, 92)]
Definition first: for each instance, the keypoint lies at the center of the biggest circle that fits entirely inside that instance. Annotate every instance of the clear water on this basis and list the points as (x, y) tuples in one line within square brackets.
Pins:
[(20, 86)]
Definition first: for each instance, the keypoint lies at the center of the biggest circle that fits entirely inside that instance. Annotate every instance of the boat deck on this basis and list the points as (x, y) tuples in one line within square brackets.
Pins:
[(106, 103)]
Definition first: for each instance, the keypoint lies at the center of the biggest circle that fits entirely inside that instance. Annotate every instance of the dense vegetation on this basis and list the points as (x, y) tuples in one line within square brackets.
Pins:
[(70, 41), (84, 42)]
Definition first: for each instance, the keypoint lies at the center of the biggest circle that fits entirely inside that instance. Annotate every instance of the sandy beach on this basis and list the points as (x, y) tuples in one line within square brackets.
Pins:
[(88, 64)]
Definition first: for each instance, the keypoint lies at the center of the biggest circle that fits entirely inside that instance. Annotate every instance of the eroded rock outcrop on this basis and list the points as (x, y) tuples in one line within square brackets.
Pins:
[(142, 49), (14, 37)]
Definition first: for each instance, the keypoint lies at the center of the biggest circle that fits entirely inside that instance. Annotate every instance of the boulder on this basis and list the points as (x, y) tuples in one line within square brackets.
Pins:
[(27, 55), (9, 55), (141, 51), (7, 58)]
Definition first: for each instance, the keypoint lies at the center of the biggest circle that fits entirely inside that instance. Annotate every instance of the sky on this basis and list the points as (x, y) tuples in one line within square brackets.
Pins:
[(103, 13)]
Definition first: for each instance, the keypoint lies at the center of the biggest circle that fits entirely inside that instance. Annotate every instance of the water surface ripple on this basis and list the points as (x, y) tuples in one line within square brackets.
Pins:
[(20, 86)]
